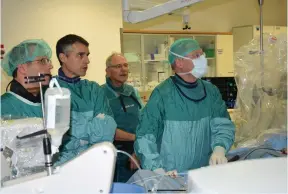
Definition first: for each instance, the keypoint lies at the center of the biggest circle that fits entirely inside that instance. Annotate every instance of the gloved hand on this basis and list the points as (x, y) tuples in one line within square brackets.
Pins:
[(218, 156), (161, 171), (172, 174)]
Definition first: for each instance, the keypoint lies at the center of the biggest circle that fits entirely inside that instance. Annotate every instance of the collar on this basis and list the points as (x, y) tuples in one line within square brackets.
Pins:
[(63, 77), (116, 89), (18, 89), (182, 82)]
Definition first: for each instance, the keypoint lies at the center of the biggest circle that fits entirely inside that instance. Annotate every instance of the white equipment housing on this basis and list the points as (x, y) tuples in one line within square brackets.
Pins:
[(91, 172), (268, 175), (153, 12)]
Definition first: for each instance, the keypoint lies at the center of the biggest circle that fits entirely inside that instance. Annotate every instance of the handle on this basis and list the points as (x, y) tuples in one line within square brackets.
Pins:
[(37, 133), (34, 79)]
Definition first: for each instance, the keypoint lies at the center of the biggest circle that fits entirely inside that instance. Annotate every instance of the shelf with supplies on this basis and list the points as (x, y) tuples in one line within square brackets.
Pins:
[(147, 55)]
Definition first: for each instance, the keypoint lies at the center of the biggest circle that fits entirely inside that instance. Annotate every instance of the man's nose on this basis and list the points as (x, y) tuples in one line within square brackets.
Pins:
[(86, 60), (51, 66)]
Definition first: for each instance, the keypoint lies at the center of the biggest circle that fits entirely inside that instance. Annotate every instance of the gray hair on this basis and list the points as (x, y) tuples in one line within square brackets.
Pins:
[(110, 57)]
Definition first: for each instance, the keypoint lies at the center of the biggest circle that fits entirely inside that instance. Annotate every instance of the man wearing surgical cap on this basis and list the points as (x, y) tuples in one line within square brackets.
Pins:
[(185, 124), (29, 58)]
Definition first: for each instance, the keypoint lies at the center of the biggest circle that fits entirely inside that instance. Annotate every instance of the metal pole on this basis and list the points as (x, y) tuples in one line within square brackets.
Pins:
[(46, 140), (261, 2)]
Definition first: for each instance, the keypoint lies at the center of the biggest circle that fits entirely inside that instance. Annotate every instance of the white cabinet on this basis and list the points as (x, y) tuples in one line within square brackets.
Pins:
[(244, 34), (224, 56), (147, 55)]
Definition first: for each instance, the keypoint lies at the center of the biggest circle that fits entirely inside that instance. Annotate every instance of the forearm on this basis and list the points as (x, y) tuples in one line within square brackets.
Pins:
[(101, 129), (147, 152), (121, 135), (223, 133)]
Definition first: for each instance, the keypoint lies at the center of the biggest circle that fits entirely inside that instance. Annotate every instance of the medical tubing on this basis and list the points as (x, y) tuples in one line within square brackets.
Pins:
[(136, 163), (271, 149)]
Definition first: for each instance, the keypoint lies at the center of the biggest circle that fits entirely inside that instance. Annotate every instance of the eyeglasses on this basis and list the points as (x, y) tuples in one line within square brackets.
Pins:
[(196, 55), (43, 61), (119, 66)]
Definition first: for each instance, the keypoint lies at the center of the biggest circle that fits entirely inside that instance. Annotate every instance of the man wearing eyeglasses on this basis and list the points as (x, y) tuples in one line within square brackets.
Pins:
[(91, 116), (185, 124), (125, 103), (29, 58)]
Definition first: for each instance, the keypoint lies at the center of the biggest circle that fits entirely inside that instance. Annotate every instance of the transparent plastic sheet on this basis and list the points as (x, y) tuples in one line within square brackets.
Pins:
[(261, 80), (153, 182), (24, 156), (159, 183)]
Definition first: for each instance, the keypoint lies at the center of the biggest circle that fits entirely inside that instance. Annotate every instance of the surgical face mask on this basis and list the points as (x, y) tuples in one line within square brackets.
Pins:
[(200, 66)]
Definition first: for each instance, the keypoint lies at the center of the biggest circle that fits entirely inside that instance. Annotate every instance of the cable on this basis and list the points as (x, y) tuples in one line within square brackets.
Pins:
[(144, 180), (136, 163)]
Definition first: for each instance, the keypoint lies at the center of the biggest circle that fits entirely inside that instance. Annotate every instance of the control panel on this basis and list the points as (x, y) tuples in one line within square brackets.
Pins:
[(227, 87)]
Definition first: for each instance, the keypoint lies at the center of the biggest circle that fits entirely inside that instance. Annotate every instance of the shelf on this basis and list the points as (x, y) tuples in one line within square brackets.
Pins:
[(155, 60), (172, 32), (163, 60)]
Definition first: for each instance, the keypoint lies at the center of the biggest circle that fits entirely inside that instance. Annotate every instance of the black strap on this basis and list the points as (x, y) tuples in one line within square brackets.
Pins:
[(122, 103), (8, 85)]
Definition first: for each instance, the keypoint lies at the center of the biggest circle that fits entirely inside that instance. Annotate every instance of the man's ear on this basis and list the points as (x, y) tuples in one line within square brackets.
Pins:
[(107, 72), (178, 63), (62, 57)]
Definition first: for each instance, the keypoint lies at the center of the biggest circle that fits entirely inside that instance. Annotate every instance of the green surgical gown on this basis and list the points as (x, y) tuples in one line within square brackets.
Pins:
[(181, 124), (127, 119), (87, 101), (14, 106)]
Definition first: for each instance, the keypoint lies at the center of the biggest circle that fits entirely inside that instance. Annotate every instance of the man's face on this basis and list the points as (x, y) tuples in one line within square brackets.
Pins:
[(76, 60), (118, 70), (187, 65), (41, 65)]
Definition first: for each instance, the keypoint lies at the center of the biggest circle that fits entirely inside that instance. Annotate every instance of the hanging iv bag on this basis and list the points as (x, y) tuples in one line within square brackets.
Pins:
[(57, 112)]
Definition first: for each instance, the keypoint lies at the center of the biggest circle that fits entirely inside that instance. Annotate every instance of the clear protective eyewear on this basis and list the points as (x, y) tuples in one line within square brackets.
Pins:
[(196, 55), (43, 61), (120, 66), (191, 57)]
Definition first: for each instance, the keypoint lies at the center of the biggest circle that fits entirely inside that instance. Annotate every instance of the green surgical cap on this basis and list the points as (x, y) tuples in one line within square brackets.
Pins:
[(25, 52), (182, 47)]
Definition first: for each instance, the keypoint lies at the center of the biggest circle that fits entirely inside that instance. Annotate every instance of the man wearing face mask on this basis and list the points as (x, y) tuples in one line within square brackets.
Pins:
[(125, 103), (91, 117), (29, 58), (185, 124)]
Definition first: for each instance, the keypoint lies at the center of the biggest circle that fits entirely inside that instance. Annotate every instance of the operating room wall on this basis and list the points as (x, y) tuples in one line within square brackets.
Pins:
[(98, 21), (221, 16)]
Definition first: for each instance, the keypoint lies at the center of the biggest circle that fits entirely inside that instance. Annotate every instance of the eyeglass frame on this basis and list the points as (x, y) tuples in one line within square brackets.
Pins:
[(119, 66)]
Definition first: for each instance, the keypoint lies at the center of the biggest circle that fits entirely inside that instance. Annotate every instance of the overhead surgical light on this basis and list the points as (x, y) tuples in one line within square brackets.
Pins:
[(131, 16)]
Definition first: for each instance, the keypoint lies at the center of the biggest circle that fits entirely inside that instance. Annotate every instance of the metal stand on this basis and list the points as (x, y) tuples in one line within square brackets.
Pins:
[(261, 2), (46, 139)]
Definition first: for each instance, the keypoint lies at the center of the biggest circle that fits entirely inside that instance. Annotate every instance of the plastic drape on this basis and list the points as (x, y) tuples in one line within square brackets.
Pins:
[(261, 79)]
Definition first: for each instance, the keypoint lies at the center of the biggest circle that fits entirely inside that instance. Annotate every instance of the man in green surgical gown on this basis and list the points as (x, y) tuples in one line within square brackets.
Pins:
[(185, 125), (125, 103), (91, 117), (29, 58)]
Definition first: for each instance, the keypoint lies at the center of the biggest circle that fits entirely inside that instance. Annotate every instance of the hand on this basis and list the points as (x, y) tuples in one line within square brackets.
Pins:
[(218, 156), (132, 164), (172, 174), (161, 171)]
